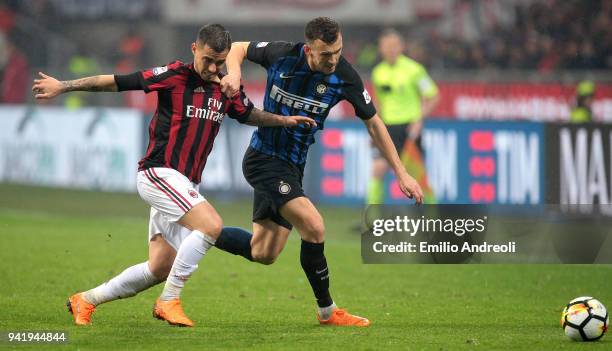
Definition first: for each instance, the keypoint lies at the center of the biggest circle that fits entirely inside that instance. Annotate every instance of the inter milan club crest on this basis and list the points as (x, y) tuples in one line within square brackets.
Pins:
[(321, 88), (284, 188), (193, 194)]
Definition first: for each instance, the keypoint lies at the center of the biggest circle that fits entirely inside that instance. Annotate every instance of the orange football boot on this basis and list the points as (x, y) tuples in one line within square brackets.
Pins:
[(171, 312), (342, 318), (81, 309)]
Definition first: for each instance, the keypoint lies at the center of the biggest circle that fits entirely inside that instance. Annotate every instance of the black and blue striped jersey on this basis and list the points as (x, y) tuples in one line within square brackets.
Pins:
[(293, 88)]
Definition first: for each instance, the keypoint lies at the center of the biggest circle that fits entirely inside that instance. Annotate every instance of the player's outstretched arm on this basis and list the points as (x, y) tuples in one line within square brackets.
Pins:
[(380, 135), (230, 84), (267, 119), (48, 87)]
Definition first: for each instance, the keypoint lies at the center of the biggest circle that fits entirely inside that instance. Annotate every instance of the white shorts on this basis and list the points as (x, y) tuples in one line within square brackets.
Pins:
[(172, 232), (170, 195)]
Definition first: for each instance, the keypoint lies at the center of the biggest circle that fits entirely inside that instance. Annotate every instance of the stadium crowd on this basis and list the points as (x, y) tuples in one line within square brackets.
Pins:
[(545, 36)]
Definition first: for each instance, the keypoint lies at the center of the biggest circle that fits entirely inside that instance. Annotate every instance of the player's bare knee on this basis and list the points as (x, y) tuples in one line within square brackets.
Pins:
[(160, 270), (313, 231), (212, 227), (162, 273), (379, 168), (264, 257), (378, 174), (215, 227)]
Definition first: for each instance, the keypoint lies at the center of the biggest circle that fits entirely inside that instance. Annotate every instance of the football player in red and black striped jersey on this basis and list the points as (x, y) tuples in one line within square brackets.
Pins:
[(190, 110)]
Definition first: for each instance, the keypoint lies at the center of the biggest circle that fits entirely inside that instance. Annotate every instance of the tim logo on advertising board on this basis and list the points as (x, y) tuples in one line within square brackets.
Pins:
[(341, 164), (579, 164), (466, 163), (484, 162)]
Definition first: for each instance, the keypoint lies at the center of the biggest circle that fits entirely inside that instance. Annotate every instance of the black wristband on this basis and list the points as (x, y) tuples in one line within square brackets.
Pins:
[(128, 82)]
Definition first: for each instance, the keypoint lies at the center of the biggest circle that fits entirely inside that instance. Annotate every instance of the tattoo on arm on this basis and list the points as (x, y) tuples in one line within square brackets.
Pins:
[(263, 118), (94, 83)]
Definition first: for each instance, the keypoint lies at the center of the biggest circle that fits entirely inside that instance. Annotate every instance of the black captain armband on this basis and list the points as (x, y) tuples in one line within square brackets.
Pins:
[(128, 82)]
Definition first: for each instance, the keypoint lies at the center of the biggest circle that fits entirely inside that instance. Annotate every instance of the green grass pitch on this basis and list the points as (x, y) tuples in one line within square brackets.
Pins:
[(57, 242)]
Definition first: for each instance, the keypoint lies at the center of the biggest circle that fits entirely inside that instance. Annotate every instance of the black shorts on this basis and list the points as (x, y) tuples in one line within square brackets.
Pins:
[(275, 181), (399, 135)]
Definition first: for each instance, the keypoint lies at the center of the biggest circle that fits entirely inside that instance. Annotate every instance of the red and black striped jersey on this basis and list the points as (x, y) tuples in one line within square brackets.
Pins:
[(188, 116)]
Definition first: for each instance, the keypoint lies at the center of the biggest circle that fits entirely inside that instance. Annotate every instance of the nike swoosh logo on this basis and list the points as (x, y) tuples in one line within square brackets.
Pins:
[(283, 76), (321, 271)]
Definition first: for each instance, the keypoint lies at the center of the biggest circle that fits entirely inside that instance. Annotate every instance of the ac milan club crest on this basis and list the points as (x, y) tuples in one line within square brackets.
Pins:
[(193, 194)]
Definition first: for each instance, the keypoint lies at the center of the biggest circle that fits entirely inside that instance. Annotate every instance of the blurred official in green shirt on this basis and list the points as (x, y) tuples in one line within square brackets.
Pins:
[(405, 94), (582, 108)]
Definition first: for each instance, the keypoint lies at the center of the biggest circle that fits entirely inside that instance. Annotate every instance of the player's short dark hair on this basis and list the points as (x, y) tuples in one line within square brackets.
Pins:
[(323, 28), (215, 36)]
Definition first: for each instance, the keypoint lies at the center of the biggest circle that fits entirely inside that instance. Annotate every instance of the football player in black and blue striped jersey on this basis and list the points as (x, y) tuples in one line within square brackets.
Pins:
[(305, 79)]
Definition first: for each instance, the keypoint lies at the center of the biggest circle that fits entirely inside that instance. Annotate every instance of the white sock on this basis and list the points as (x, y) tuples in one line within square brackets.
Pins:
[(128, 283), (190, 252), (326, 312)]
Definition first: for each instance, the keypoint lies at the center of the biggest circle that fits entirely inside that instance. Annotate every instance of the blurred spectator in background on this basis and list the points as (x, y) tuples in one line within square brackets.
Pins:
[(79, 65), (550, 56), (7, 17), (14, 73), (545, 35), (405, 94), (131, 52), (366, 59), (582, 108)]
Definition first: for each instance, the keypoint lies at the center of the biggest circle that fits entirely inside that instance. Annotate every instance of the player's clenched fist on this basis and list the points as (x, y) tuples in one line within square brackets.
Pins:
[(46, 87), (230, 84)]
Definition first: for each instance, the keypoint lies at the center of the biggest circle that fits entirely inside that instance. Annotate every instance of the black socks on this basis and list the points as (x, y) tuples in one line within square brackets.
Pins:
[(315, 266), (236, 241)]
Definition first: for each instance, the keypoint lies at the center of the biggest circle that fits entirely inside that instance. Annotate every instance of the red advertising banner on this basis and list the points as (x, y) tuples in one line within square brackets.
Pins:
[(516, 101)]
